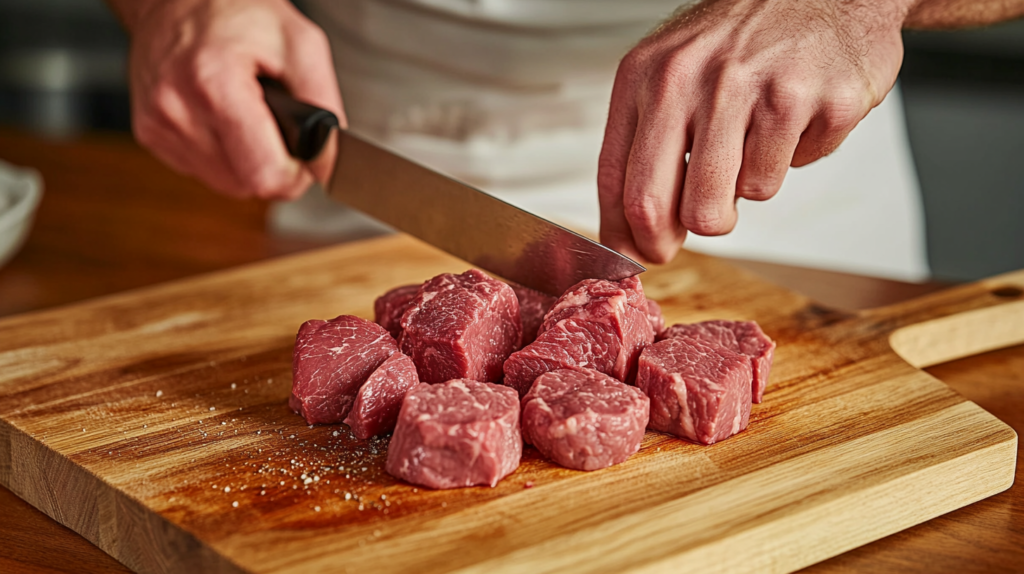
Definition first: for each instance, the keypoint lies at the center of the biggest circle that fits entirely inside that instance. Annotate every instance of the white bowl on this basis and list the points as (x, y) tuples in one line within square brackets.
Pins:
[(20, 192)]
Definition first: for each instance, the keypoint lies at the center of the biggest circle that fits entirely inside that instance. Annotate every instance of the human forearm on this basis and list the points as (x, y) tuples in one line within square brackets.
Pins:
[(950, 14)]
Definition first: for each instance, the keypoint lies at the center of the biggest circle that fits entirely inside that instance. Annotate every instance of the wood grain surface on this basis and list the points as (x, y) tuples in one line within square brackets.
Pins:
[(155, 424), (93, 238)]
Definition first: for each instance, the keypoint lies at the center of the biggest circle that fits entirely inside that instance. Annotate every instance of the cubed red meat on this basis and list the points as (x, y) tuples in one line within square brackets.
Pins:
[(455, 434), (461, 326), (601, 325), (698, 391), (744, 337), (389, 308), (583, 419), (533, 305), (331, 360), (376, 405)]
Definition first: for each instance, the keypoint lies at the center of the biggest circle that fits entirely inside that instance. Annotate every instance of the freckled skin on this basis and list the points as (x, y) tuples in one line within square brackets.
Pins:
[(583, 419), (456, 434), (744, 337)]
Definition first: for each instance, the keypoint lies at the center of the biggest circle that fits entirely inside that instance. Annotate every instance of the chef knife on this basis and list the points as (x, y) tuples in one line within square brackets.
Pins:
[(468, 223)]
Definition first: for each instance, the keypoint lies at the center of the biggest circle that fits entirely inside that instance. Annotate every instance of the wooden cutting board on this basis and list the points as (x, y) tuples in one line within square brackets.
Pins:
[(155, 424)]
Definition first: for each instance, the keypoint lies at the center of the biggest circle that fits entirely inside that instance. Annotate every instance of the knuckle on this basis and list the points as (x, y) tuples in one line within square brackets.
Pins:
[(659, 256), (668, 77), (205, 64), (842, 112), (266, 182), (787, 100), (757, 191), (308, 41), (164, 99), (732, 82), (641, 212), (705, 222)]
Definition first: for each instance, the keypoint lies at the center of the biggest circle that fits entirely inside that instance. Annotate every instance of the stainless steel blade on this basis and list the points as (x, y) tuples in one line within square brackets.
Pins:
[(468, 223)]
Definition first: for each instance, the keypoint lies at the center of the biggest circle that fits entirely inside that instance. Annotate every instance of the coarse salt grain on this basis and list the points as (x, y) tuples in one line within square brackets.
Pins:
[(234, 504), (234, 386), (316, 508), (227, 489), (159, 394)]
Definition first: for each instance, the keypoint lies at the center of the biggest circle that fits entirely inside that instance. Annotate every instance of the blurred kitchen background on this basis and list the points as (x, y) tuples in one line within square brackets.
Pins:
[(512, 95)]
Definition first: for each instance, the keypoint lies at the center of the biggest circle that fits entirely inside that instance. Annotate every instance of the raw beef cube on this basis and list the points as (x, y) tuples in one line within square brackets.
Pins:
[(331, 361), (590, 292), (461, 326), (744, 337), (389, 308), (533, 305), (375, 410), (654, 315), (583, 419), (454, 434), (604, 329), (698, 391)]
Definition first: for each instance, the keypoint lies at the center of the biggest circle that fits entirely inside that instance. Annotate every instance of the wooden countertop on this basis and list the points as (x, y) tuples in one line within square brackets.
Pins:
[(113, 219)]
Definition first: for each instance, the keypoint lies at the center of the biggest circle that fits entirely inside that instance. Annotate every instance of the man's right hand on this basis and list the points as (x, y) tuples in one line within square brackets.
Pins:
[(196, 101)]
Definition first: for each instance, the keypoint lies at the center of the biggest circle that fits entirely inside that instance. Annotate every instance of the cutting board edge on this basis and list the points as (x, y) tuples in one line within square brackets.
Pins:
[(1001, 457), (176, 550)]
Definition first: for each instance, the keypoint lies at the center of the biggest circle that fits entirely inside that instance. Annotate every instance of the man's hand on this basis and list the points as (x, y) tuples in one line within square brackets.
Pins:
[(746, 88), (196, 102)]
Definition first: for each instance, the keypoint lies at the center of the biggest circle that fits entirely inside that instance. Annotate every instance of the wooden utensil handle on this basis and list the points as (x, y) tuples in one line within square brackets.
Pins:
[(957, 322)]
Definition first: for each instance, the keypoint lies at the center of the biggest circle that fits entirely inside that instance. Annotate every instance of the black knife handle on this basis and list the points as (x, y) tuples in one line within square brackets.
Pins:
[(304, 127)]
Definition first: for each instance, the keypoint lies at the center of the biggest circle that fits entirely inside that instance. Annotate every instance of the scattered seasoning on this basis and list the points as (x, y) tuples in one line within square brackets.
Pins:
[(159, 394), (227, 489), (234, 504)]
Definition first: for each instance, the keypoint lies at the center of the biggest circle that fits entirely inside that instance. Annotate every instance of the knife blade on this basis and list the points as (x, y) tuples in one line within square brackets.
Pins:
[(451, 215)]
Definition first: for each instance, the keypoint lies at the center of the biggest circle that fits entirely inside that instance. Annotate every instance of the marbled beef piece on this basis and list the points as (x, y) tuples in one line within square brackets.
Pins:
[(629, 292), (600, 325), (698, 391), (461, 326), (744, 337), (533, 305), (331, 360), (455, 434), (389, 308), (654, 315), (583, 419), (375, 410)]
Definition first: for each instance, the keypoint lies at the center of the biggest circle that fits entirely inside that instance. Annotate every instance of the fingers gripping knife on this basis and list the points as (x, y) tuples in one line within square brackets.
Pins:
[(444, 212)]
